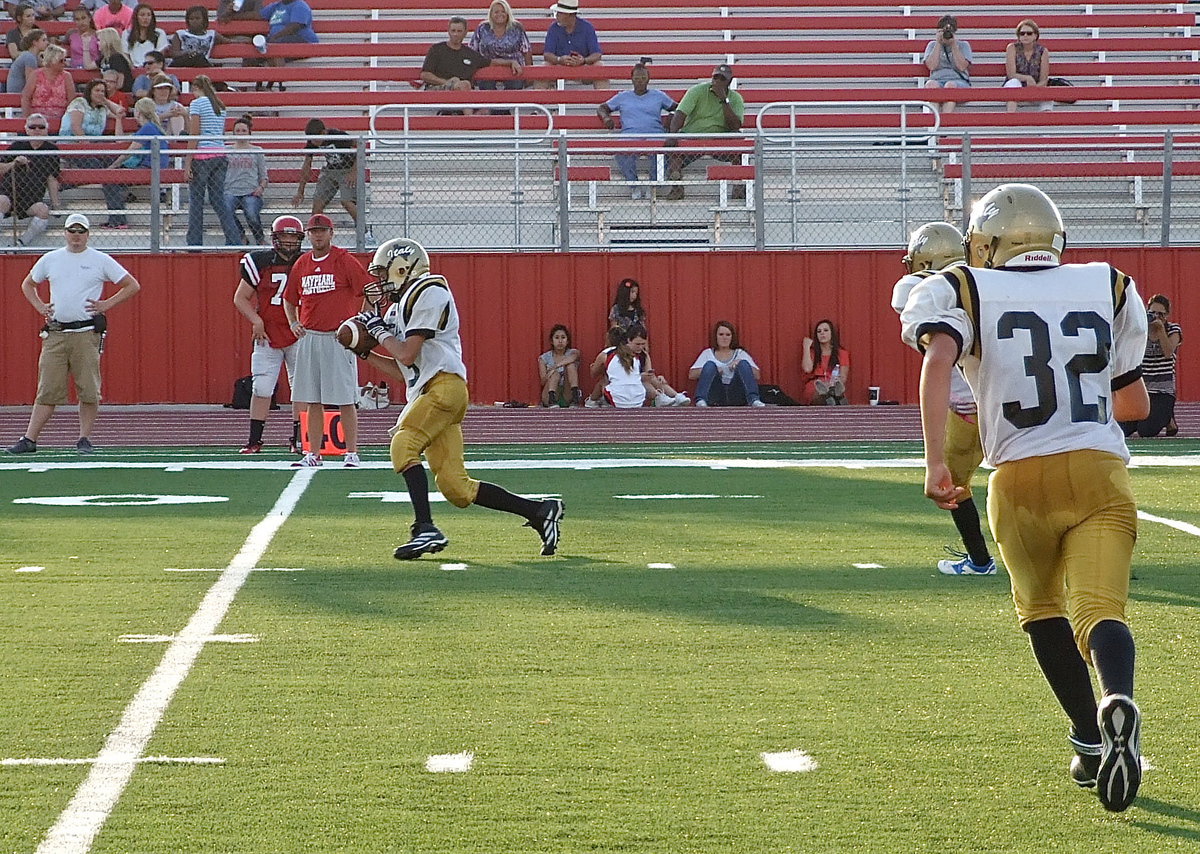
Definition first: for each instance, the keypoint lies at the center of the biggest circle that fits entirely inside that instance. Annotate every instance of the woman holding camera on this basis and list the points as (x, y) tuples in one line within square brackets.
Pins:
[(1158, 370), (948, 59)]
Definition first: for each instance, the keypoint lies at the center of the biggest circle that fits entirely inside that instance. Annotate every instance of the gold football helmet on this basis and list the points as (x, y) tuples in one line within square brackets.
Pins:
[(397, 264), (933, 246), (1012, 220)]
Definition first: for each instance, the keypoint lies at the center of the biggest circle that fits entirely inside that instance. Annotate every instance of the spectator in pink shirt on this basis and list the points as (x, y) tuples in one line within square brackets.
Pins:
[(116, 15)]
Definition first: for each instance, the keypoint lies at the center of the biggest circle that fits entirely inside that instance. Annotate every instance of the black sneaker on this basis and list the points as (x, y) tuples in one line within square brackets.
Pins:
[(426, 539), (24, 445), (84, 446), (1120, 771), (546, 524)]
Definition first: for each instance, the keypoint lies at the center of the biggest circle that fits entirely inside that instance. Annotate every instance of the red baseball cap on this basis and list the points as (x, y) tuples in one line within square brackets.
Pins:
[(318, 221)]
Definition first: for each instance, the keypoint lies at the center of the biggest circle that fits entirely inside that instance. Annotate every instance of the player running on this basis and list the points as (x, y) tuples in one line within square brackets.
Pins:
[(274, 341), (1053, 353), (419, 330), (933, 246)]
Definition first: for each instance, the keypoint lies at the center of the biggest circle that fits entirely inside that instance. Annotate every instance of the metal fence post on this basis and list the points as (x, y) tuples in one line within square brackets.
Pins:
[(760, 215), (155, 195), (360, 191), (564, 196), (966, 180), (1168, 163)]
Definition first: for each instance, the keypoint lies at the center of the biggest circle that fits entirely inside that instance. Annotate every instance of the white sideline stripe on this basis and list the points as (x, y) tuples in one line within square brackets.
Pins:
[(1170, 523), (434, 495), (29, 569), (680, 495), (454, 567), (453, 763), (168, 638), (94, 800), (156, 760), (867, 565), (791, 761), (660, 566), (254, 569)]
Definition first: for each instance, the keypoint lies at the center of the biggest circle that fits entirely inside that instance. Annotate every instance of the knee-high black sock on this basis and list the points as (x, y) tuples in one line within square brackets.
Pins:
[(497, 498), (1054, 648), (966, 519), (418, 493), (256, 430), (296, 433), (1113, 655)]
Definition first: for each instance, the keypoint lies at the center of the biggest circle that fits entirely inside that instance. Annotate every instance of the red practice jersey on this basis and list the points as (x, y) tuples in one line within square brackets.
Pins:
[(327, 291), (266, 271)]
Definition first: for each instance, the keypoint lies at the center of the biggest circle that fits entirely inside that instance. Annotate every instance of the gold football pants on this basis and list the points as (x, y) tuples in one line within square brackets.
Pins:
[(432, 425), (963, 452)]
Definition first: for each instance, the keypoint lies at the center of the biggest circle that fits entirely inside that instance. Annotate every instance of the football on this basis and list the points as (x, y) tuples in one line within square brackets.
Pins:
[(353, 335)]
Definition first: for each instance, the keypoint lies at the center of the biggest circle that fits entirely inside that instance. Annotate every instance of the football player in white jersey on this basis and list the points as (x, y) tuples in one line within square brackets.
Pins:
[(932, 247), (418, 328), (1053, 353)]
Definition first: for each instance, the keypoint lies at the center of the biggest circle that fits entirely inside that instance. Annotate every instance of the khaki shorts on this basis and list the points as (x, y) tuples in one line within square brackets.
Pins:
[(432, 425), (69, 353), (963, 450), (332, 181), (326, 372), (1066, 525)]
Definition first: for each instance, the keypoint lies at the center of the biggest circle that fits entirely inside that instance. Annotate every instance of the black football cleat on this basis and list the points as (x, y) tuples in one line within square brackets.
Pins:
[(546, 524), (426, 539), (1120, 771), (1085, 763)]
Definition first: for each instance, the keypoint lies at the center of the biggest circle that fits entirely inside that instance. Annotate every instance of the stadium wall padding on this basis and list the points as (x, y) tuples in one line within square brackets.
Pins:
[(181, 340)]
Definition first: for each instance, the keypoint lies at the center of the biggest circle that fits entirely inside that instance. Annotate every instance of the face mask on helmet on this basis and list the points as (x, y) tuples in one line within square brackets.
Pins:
[(934, 246), (397, 264), (1015, 225), (287, 236)]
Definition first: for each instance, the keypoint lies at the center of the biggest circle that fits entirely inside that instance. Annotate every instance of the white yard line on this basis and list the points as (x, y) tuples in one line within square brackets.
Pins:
[(1170, 523), (94, 800)]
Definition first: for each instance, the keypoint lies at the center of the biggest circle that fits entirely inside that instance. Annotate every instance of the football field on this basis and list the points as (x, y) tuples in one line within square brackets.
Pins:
[(738, 648)]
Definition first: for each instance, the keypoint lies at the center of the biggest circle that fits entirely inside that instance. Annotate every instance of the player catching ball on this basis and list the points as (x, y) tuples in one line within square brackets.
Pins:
[(416, 323)]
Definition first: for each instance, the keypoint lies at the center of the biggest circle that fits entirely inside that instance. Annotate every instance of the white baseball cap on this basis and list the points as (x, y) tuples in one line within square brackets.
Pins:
[(77, 219)]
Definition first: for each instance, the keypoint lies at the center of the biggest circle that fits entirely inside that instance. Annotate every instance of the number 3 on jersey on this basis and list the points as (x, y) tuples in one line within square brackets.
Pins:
[(1039, 369)]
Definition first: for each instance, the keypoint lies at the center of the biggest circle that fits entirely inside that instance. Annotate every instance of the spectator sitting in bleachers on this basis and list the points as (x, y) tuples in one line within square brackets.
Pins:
[(27, 61), (1026, 61), (571, 41), (113, 63), (154, 65), (43, 10), (502, 41), (288, 22), (172, 115), (25, 180), (144, 37), (149, 126), (83, 47), (450, 65), (88, 116), (26, 21), (711, 107), (113, 14), (641, 110), (192, 47), (50, 88), (948, 59), (95, 6)]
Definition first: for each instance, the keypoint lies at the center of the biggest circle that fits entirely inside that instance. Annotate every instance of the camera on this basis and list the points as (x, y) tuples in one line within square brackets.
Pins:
[(947, 33)]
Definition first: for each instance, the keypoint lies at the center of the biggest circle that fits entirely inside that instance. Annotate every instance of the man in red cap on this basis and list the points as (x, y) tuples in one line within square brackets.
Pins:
[(324, 288)]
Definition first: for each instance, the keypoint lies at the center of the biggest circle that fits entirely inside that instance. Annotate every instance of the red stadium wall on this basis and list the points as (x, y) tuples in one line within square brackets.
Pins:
[(181, 340)]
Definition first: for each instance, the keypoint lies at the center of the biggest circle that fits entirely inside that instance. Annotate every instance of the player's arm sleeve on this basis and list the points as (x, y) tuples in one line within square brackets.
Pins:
[(1129, 332), (933, 307), (430, 312), (900, 292)]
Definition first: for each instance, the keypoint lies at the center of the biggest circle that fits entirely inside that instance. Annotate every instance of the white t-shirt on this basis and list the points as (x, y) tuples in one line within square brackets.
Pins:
[(962, 400), (427, 308), (75, 278), (1043, 348), (624, 388), (725, 368)]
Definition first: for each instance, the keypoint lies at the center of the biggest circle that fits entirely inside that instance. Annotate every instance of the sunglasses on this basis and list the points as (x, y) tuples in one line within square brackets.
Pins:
[(35, 127), (77, 229), (1026, 33)]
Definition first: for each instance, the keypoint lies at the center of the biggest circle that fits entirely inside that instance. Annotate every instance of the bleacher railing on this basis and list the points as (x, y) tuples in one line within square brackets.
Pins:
[(546, 190)]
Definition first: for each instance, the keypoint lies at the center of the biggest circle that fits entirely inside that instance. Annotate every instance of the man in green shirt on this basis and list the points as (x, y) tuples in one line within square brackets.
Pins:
[(710, 107)]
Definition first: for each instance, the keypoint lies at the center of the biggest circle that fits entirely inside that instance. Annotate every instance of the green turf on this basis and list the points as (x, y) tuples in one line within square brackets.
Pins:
[(610, 707)]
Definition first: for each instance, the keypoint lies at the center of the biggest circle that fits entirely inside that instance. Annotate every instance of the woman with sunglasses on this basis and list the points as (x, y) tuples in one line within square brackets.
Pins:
[(50, 88), (1026, 61)]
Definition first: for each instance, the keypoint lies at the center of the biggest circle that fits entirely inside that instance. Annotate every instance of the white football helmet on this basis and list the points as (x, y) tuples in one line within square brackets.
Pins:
[(934, 246), (1015, 220), (397, 264)]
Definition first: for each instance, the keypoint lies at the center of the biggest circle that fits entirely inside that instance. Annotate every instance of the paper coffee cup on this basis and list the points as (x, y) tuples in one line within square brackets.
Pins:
[(873, 395), (260, 42)]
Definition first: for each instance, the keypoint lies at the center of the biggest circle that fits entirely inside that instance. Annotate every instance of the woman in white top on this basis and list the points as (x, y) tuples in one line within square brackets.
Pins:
[(144, 35), (623, 376), (725, 374)]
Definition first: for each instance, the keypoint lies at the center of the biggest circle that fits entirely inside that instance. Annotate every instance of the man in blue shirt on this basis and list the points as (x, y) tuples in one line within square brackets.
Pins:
[(641, 110), (289, 21), (571, 41)]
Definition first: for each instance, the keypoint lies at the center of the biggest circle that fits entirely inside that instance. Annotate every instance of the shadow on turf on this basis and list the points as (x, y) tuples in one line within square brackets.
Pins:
[(1183, 814)]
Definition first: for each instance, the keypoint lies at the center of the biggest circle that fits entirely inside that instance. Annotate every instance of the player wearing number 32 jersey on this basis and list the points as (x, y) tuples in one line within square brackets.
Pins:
[(1053, 354)]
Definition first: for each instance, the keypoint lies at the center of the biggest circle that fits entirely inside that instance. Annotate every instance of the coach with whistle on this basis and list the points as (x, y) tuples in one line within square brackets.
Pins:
[(73, 335)]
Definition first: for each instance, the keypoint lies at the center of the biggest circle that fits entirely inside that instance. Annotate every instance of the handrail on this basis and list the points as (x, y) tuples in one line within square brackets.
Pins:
[(790, 108), (383, 137)]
